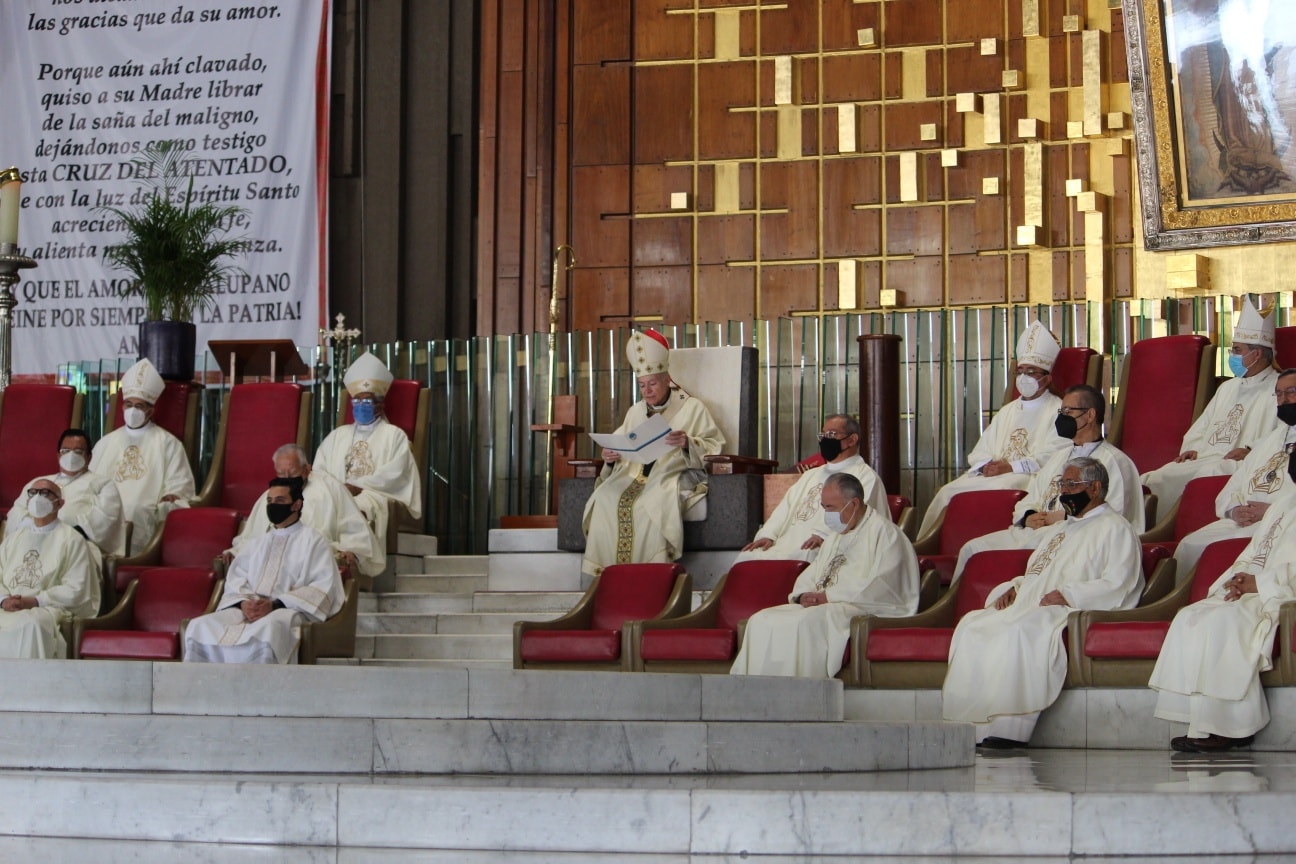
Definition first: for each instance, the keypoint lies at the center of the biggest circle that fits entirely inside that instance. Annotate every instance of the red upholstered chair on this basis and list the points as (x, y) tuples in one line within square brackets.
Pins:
[(31, 418), (405, 406), (707, 639), (1072, 366), (176, 411), (969, 515), (1195, 509), (148, 623), (903, 515), (256, 419), (192, 537), (335, 637), (1285, 346), (1118, 648), (1159, 570), (913, 652), (1165, 384), (595, 634)]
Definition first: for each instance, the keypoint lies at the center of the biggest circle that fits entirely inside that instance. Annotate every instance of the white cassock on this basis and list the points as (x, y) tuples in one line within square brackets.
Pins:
[(1261, 477), (635, 514), (147, 465), (1124, 495), (91, 502), (378, 459), (55, 565), (871, 570), (1022, 434), (799, 516), (293, 565), (1012, 661), (1208, 673), (1240, 415), (328, 508)]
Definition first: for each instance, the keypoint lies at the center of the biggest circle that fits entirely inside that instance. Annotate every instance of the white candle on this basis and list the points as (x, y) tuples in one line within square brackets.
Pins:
[(10, 188)]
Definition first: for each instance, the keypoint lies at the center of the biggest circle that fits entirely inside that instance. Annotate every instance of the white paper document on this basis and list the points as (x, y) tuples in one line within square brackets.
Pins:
[(645, 443)]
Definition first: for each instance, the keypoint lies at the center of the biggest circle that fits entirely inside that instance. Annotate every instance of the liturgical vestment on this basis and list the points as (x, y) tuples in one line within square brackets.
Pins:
[(147, 465), (54, 564), (91, 502), (377, 458)]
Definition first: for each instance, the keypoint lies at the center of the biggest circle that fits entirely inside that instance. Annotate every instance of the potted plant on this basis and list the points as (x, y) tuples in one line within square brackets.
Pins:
[(177, 252)]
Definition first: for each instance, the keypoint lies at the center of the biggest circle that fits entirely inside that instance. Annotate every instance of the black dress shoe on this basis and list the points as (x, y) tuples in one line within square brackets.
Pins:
[(1209, 744), (994, 742)]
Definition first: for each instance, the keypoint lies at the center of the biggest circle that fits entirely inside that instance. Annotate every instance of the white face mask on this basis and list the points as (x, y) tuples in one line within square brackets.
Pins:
[(39, 506), (1027, 386), (71, 462), (835, 522), (134, 417)]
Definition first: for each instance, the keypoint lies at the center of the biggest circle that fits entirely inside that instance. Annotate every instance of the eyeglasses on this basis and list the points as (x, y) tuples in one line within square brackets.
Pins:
[(834, 435), (365, 402), (1067, 411), (1286, 392), (44, 493), (1074, 484), (63, 451), (1032, 373)]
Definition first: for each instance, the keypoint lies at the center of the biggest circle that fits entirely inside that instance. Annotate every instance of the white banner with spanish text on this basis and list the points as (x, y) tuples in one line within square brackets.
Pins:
[(89, 83)]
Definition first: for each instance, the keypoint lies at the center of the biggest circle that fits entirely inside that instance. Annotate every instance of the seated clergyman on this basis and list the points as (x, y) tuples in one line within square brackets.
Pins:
[(279, 581)]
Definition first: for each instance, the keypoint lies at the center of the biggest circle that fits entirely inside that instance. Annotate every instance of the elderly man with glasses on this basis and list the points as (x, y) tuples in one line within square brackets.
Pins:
[(795, 530), (1007, 662), (1079, 420)]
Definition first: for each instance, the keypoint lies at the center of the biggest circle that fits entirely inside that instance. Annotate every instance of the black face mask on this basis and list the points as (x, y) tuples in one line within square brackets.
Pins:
[(1075, 503), (1287, 413), (1066, 426), (278, 513), (830, 448)]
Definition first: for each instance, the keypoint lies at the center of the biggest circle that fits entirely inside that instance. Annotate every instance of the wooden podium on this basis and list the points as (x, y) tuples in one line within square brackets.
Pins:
[(261, 358), (564, 433)]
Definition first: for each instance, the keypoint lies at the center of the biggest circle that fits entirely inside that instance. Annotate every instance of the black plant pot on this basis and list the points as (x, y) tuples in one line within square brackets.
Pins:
[(169, 346)]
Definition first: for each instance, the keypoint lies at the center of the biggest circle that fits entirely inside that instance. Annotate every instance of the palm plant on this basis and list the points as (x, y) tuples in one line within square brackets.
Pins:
[(176, 252)]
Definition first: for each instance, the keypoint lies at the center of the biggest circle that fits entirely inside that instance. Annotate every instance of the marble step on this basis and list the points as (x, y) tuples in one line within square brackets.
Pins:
[(373, 623), (424, 663), (435, 647), (525, 601), (426, 604), (429, 583), (415, 544), (456, 565)]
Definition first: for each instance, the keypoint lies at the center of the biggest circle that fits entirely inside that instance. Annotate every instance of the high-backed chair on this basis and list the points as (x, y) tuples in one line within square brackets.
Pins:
[(31, 418), (176, 411), (1075, 365), (148, 622), (1165, 383), (595, 634), (1285, 346), (1194, 509), (405, 407), (190, 537), (969, 515), (255, 420), (707, 639), (903, 515), (1118, 648), (913, 652), (335, 637)]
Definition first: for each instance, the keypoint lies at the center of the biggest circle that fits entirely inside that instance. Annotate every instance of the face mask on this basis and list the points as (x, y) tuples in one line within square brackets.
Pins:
[(134, 417), (39, 506), (1075, 503), (278, 513), (1287, 413), (71, 462), (829, 448), (1066, 426), (1027, 386), (1237, 366), (363, 412), (835, 522)]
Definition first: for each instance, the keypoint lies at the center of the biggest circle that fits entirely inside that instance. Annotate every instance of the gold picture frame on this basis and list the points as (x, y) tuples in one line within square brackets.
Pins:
[(1213, 170)]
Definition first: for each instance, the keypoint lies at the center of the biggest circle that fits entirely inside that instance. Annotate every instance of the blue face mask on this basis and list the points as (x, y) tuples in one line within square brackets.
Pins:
[(363, 412), (1237, 366)]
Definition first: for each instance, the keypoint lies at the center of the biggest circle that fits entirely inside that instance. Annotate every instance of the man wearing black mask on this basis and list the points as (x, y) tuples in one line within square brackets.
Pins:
[(795, 530), (1259, 481), (1080, 419)]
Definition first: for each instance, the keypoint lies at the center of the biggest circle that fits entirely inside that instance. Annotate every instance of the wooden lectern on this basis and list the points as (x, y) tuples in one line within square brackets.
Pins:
[(564, 433), (262, 358)]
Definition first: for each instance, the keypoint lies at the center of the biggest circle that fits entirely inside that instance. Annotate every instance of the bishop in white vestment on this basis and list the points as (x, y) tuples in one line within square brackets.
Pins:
[(1020, 438), (148, 463), (795, 529), (1007, 662), (371, 457), (1238, 417), (635, 514), (866, 566), (47, 575), (1208, 672), (278, 582)]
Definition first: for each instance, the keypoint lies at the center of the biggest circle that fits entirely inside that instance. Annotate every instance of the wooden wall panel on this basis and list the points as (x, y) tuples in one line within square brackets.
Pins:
[(658, 36), (871, 275), (600, 223), (663, 120), (847, 231), (1123, 200), (970, 71), (600, 31), (912, 22), (1061, 275), (1123, 272), (842, 19), (726, 293), (661, 242), (977, 227), (725, 134), (599, 296), (600, 125), (722, 239), (805, 81), (915, 230), (1119, 63), (977, 279), (788, 30), (794, 234), (852, 78), (902, 121), (965, 178), (1018, 278), (1075, 290), (921, 281), (653, 185), (789, 288), (1057, 169), (664, 291), (1059, 68), (973, 20), (893, 75), (870, 129)]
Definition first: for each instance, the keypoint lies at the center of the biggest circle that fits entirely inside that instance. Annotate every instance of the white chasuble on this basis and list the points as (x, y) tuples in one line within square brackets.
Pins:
[(147, 465), (54, 564), (292, 565), (1013, 661), (635, 514), (1023, 434), (1241, 414), (91, 502), (378, 459), (871, 570), (799, 516)]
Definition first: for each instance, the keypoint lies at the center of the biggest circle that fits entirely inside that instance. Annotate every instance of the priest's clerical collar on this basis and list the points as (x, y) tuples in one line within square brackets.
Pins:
[(665, 403)]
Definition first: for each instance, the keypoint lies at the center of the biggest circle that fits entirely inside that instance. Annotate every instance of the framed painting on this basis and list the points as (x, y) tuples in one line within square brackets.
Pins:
[(1213, 93)]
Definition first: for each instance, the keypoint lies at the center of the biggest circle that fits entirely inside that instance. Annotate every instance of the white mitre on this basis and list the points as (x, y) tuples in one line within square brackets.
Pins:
[(1252, 327), (1037, 347), (367, 375), (142, 381), (648, 353)]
